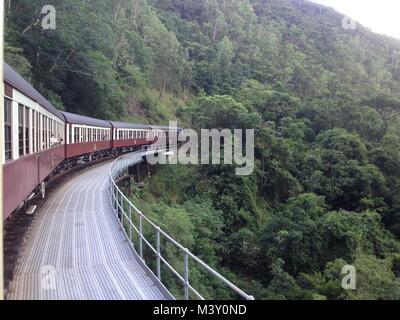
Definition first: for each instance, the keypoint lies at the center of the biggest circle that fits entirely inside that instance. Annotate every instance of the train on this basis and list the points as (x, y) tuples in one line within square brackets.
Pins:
[(41, 141)]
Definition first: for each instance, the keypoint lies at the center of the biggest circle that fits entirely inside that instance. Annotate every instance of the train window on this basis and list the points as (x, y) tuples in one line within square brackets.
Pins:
[(69, 129), (120, 134), (27, 135), (37, 132), (47, 132), (41, 141), (51, 130), (44, 128), (33, 131), (44, 133), (7, 129), (76, 135), (21, 129)]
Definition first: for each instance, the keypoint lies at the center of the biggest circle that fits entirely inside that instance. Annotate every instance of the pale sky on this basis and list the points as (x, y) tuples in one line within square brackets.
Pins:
[(381, 16)]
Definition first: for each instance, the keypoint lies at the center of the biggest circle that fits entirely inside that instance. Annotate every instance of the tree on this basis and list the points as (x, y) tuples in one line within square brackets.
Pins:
[(388, 107), (222, 112)]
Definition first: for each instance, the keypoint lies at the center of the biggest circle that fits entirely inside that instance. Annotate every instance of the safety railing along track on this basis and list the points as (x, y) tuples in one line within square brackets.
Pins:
[(118, 169)]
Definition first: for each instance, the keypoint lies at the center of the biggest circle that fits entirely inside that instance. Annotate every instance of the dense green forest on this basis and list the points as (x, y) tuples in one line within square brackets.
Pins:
[(324, 102)]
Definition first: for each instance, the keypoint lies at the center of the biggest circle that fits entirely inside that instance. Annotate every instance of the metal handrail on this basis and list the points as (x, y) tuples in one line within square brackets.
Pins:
[(118, 169)]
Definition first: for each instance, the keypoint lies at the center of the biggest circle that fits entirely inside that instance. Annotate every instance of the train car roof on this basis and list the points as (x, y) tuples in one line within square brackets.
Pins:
[(18, 82), (164, 128), (127, 125), (83, 120)]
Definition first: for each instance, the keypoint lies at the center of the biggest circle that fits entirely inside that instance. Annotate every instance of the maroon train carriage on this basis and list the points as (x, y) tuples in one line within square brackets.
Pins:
[(41, 141), (34, 140), (86, 136), (127, 135)]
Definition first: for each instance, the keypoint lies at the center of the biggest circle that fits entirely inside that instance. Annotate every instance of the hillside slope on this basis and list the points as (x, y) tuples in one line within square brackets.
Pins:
[(324, 102)]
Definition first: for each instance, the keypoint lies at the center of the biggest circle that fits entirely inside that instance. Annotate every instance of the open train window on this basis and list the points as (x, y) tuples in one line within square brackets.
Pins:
[(76, 134), (43, 140), (27, 135), (33, 134), (21, 129), (69, 133), (37, 132), (7, 129)]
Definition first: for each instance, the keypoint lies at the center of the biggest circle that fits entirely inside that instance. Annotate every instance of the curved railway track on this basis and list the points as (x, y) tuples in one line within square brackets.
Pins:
[(76, 249)]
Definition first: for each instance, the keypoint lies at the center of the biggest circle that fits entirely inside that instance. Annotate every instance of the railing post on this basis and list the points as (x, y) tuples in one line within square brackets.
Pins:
[(140, 237), (186, 275), (158, 255), (122, 210), (130, 223), (116, 200)]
